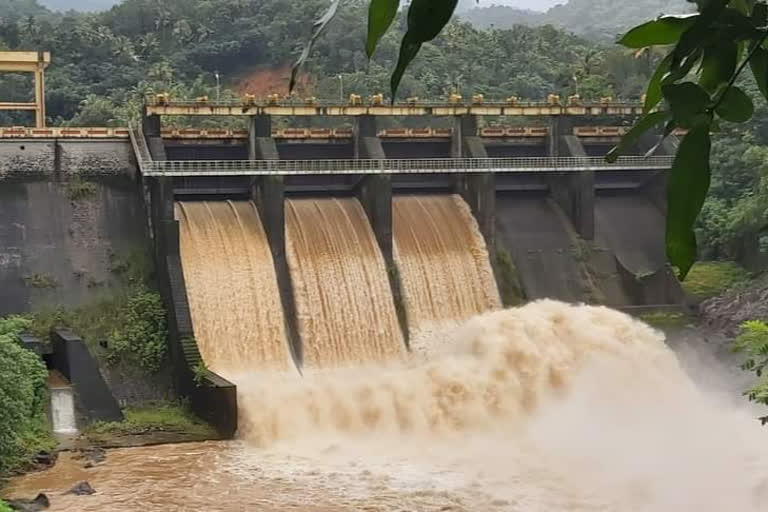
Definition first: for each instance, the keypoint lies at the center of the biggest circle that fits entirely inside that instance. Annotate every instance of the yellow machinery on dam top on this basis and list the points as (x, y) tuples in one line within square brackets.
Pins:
[(28, 62), (163, 105)]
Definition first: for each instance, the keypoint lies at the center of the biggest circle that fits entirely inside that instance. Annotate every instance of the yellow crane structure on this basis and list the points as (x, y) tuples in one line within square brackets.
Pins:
[(28, 62)]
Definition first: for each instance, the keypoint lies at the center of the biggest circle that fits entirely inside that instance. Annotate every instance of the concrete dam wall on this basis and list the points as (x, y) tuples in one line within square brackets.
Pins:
[(71, 214), (320, 245)]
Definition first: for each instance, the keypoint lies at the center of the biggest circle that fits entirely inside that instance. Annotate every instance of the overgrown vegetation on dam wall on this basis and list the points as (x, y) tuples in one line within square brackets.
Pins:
[(74, 253), (23, 426)]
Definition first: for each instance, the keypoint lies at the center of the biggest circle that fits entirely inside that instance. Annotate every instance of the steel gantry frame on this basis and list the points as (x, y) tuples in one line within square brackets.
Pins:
[(28, 62)]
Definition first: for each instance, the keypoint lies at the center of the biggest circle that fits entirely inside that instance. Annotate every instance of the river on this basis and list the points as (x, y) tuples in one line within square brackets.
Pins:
[(547, 407)]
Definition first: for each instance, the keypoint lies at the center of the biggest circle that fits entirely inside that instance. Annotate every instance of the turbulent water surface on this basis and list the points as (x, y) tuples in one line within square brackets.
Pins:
[(547, 407)]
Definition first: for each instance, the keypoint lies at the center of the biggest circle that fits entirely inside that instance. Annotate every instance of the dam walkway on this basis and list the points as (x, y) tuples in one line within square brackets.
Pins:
[(187, 168)]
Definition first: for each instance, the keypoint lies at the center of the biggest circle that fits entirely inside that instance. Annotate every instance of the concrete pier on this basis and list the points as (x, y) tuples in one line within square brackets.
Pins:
[(269, 195)]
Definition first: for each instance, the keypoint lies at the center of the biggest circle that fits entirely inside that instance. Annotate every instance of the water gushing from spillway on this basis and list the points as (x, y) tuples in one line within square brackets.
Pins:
[(344, 304), (542, 408), (442, 260), (231, 287)]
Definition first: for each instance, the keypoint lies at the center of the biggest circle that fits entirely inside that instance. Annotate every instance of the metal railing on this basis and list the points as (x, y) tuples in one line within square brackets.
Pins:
[(140, 148), (388, 166)]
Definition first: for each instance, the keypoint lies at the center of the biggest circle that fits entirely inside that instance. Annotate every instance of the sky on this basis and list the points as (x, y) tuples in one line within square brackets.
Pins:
[(534, 5)]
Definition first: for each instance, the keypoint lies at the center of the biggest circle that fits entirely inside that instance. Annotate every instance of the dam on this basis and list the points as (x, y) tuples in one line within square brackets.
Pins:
[(292, 252)]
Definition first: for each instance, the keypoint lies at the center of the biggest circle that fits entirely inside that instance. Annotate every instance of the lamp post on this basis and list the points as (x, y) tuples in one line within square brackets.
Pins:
[(218, 85), (341, 88)]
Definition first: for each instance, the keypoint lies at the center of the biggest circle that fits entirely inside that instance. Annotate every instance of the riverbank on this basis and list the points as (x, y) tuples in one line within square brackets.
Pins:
[(163, 423)]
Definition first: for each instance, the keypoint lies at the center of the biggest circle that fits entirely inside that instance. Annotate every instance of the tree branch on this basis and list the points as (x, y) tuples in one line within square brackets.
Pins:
[(743, 65)]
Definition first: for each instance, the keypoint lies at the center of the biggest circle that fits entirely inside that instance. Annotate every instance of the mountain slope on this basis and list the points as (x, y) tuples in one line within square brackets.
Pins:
[(598, 19), (79, 5)]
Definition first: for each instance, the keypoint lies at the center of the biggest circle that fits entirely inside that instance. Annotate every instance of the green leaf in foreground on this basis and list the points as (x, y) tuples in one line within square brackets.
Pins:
[(689, 182), (408, 51), (736, 106), (642, 126), (718, 65), (661, 31), (687, 101), (317, 30), (381, 14), (426, 18)]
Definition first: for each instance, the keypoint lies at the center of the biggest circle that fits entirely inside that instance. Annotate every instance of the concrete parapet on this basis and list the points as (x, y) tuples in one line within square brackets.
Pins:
[(375, 194), (572, 146), (656, 190), (479, 191), (94, 399), (661, 287), (366, 141), (559, 128), (261, 145), (151, 125), (41, 158), (269, 195), (574, 192), (465, 142), (156, 148)]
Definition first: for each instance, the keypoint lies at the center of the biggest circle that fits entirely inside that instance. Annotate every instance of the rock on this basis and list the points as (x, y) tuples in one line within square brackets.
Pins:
[(92, 456), (726, 313), (45, 460), (39, 503), (82, 489)]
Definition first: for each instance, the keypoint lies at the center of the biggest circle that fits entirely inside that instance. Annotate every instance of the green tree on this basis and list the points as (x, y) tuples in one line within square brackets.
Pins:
[(22, 395), (753, 343)]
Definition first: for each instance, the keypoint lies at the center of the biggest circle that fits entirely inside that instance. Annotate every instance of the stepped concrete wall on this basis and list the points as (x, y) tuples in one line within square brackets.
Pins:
[(63, 241), (31, 158)]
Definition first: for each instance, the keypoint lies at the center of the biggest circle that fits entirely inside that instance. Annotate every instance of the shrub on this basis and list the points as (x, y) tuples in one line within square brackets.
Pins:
[(712, 278), (753, 342), (22, 397), (141, 333), (200, 371)]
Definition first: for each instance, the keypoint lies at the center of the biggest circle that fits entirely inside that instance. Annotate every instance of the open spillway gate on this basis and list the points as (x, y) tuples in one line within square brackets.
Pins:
[(556, 219)]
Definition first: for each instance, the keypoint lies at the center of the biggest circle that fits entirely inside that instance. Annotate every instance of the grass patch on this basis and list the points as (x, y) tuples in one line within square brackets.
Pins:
[(160, 417), (665, 319), (41, 281), (79, 190), (712, 278)]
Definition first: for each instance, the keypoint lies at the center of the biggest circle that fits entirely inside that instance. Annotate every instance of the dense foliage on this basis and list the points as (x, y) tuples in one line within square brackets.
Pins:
[(141, 333), (22, 397), (124, 329), (754, 344)]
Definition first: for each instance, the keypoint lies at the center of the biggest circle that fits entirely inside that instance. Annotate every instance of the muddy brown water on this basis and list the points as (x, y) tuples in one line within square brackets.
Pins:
[(548, 407)]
